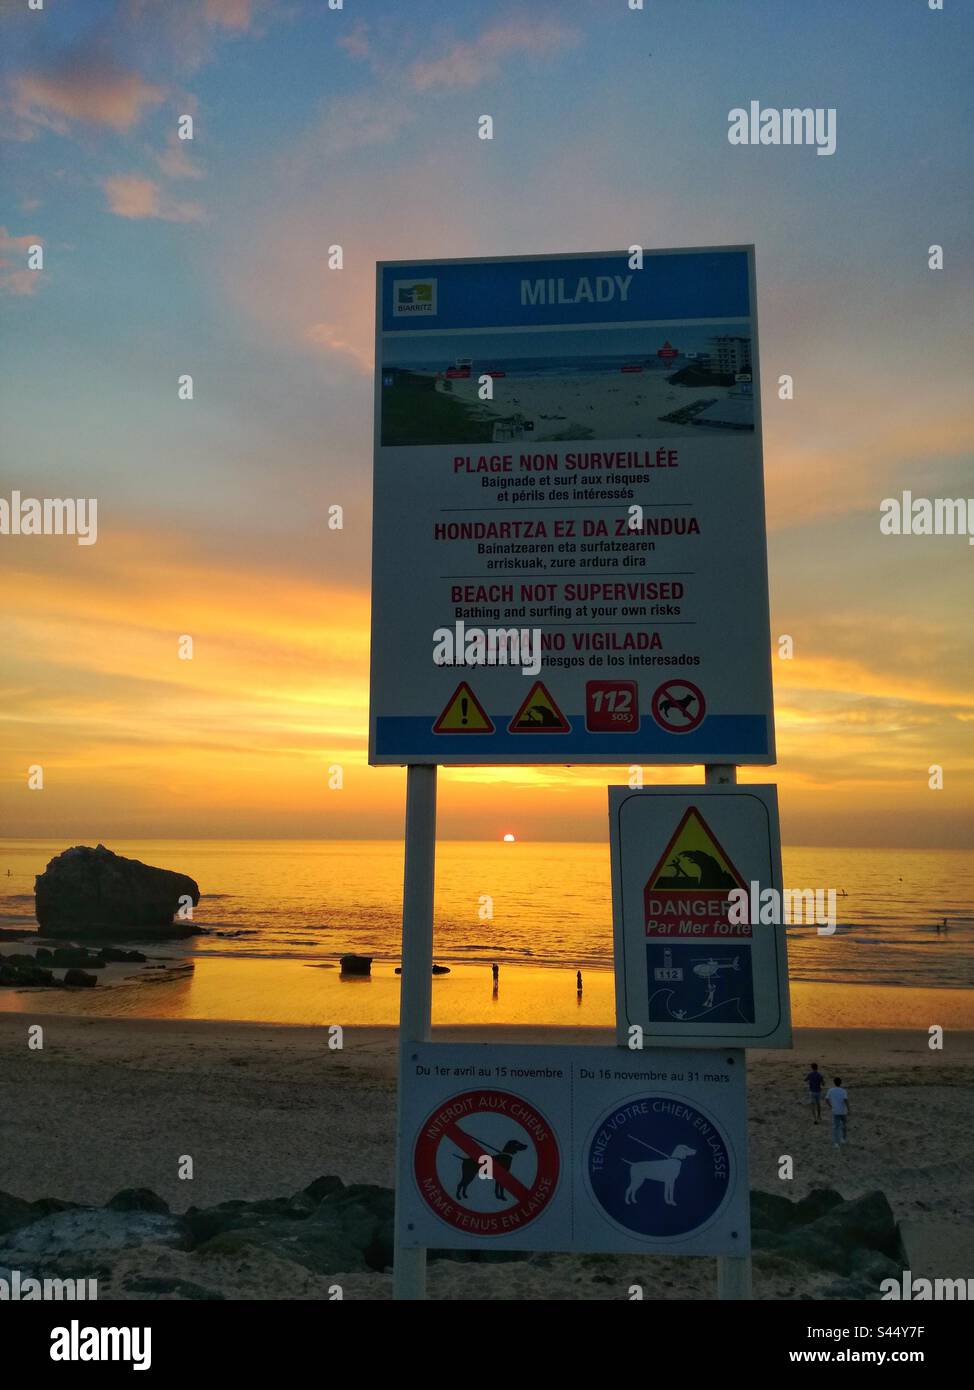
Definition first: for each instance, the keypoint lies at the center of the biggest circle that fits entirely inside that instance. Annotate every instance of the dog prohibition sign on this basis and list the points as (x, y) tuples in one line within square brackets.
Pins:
[(678, 706), (486, 1162)]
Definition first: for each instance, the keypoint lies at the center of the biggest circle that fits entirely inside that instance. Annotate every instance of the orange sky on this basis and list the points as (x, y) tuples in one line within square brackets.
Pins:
[(211, 257)]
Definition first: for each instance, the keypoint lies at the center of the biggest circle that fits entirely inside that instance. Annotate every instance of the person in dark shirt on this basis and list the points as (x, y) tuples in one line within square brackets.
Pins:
[(815, 1081)]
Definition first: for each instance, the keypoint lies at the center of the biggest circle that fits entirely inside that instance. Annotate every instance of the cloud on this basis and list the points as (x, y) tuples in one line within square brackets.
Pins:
[(327, 335), (357, 42), (467, 64), (83, 86), (174, 161), (15, 278), (138, 198), (354, 123), (229, 14)]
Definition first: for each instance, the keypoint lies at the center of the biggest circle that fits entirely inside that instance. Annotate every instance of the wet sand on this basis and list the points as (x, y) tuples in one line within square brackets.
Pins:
[(293, 991)]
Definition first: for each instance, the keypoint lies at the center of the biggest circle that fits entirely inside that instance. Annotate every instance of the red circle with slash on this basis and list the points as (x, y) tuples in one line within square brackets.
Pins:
[(672, 702), (448, 1160)]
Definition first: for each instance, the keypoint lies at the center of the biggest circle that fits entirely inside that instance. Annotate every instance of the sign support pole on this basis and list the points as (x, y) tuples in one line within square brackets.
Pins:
[(733, 1271), (416, 989)]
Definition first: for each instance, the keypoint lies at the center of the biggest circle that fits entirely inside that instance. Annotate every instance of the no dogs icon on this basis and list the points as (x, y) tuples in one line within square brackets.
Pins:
[(486, 1162), (658, 1167)]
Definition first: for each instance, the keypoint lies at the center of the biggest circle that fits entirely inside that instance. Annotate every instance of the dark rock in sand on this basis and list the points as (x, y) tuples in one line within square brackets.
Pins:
[(96, 892), (118, 953), (43, 956), (842, 1239), (351, 1230), (14, 1213), (138, 1199), (322, 1187), (85, 1231), (356, 965), (80, 979), (77, 956), (21, 972), (50, 1206), (774, 1213)]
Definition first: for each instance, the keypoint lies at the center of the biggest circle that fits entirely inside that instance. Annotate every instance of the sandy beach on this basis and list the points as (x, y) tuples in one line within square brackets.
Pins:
[(599, 406), (112, 1103)]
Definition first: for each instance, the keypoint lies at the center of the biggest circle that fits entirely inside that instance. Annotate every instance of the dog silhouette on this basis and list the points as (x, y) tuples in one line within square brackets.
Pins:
[(470, 1167)]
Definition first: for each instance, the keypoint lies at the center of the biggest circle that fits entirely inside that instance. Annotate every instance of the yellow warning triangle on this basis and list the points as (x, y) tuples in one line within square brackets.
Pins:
[(539, 714), (694, 859), (463, 714)]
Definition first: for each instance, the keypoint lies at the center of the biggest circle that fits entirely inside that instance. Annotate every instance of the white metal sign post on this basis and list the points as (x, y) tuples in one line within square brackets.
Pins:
[(409, 1265)]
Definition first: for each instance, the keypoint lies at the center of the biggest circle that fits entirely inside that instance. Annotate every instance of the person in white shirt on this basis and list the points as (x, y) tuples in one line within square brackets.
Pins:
[(838, 1099)]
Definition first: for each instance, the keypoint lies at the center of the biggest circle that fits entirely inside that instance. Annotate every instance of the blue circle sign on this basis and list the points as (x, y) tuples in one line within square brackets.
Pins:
[(658, 1166)]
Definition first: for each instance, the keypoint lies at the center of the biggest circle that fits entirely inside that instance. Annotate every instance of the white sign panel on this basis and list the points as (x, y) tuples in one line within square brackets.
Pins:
[(573, 1148), (569, 556), (695, 964)]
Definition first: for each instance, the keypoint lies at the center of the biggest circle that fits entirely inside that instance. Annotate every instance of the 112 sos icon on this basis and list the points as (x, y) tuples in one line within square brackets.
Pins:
[(611, 706)]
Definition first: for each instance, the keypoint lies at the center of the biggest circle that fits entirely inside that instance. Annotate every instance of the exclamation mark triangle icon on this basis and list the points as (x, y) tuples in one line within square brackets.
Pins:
[(463, 714)]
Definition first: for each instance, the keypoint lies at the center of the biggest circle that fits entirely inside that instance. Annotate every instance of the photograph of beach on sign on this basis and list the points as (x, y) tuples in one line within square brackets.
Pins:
[(646, 382)]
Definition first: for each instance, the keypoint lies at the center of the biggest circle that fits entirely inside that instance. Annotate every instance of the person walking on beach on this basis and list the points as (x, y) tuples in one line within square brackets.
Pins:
[(814, 1080), (495, 970), (838, 1099), (578, 981)]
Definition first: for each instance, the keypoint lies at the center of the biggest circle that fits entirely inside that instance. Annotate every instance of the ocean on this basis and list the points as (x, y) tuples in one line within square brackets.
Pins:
[(545, 904)]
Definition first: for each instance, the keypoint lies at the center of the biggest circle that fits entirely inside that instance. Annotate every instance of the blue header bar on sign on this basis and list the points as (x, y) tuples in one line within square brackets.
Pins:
[(561, 290)]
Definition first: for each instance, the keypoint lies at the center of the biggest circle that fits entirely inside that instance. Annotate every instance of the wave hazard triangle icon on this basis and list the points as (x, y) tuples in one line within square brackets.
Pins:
[(691, 882), (463, 714), (539, 714)]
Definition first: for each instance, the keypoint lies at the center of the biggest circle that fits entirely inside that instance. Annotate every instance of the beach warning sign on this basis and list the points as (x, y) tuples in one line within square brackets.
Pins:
[(539, 714), (463, 714), (696, 965), (687, 893), (569, 531)]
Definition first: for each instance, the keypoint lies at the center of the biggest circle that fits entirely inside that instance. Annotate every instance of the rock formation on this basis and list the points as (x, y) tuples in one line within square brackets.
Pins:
[(86, 891)]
